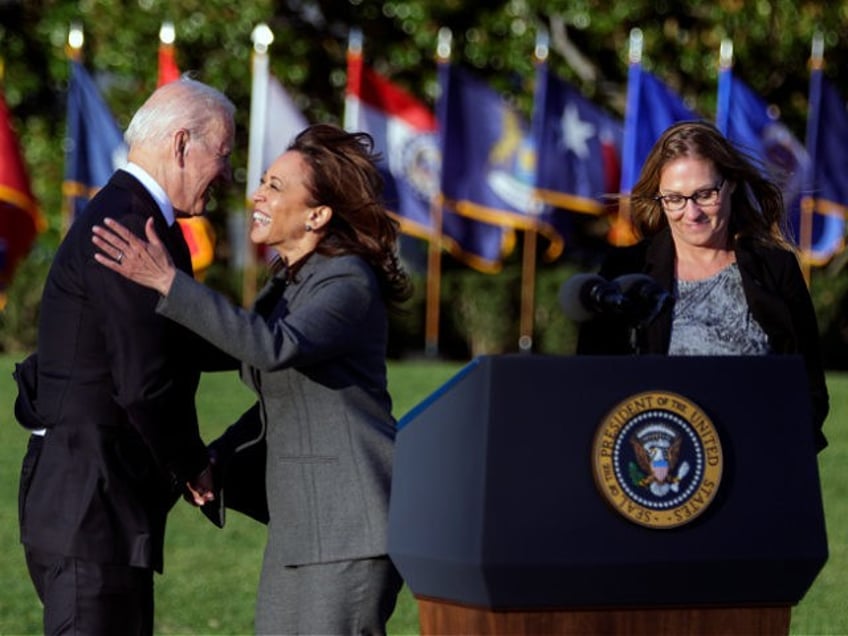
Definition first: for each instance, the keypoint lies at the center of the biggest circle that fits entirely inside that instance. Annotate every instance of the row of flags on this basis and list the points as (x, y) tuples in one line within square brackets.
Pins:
[(471, 172), (813, 177), (485, 164), (474, 171)]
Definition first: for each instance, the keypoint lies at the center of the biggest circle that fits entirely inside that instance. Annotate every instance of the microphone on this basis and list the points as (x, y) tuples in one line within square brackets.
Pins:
[(583, 296), (647, 297), (636, 297)]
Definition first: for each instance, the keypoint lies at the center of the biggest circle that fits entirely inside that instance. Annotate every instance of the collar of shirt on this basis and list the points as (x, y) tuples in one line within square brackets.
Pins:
[(154, 189)]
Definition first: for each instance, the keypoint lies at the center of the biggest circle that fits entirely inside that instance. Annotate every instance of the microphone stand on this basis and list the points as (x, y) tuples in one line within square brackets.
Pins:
[(638, 322)]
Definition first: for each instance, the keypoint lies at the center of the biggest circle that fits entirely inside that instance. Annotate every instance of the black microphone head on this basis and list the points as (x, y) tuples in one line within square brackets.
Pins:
[(574, 296), (630, 283), (647, 297)]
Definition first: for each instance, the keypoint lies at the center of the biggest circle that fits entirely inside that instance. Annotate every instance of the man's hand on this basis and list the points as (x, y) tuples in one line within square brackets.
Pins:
[(201, 488)]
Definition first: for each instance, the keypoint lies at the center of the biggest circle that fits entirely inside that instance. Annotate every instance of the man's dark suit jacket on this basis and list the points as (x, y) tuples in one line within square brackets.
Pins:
[(116, 387)]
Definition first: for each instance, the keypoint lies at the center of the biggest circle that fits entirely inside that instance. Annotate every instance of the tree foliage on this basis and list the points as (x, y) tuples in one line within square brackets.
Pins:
[(589, 43)]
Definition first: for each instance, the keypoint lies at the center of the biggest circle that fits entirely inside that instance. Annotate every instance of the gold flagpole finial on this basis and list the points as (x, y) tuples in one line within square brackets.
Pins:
[(76, 38)]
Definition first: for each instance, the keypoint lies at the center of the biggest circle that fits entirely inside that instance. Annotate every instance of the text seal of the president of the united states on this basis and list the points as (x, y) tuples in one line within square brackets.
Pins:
[(657, 459)]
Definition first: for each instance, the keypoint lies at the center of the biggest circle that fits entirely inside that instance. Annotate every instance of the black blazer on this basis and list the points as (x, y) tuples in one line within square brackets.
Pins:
[(115, 388), (774, 288)]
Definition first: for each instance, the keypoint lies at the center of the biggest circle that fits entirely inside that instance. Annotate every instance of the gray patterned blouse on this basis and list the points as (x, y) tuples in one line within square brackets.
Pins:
[(711, 317)]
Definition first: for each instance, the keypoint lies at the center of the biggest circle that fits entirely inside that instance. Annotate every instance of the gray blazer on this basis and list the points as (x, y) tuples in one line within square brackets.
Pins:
[(313, 349)]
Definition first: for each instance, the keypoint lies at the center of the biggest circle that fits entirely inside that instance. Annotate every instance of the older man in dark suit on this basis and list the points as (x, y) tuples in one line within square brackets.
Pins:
[(116, 383)]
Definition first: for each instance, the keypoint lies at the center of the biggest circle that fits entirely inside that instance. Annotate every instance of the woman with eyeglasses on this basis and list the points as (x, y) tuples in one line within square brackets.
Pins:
[(713, 236)]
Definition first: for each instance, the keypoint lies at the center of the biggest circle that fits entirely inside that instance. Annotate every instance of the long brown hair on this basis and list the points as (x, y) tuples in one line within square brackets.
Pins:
[(344, 177), (756, 208)]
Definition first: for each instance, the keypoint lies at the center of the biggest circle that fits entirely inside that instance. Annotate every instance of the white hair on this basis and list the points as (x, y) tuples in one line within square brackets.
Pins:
[(184, 103)]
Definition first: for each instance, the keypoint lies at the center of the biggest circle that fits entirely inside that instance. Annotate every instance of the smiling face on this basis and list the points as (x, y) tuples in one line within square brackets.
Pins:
[(282, 211), (206, 162), (697, 225)]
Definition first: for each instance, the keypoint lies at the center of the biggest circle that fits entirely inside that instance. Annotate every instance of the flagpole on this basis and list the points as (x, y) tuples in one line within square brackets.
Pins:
[(622, 231), (528, 291), (3, 297), (262, 38), (805, 232), (434, 274), (725, 66), (354, 69), (73, 51), (434, 245), (528, 263), (167, 35)]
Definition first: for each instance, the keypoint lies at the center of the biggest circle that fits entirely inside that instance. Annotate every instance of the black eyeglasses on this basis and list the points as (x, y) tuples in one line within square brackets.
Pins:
[(705, 197)]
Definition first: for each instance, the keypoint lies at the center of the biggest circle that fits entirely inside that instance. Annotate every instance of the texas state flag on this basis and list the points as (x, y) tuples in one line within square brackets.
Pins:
[(578, 152), (578, 146)]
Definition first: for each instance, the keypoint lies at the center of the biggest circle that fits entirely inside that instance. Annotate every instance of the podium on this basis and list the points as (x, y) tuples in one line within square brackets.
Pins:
[(499, 521)]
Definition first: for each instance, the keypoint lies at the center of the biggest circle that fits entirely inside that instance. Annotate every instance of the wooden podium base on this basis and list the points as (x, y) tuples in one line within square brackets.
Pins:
[(437, 617)]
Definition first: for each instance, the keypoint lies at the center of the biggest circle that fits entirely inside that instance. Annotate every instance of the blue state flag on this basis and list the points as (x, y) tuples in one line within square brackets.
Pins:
[(651, 108), (488, 163), (747, 121), (578, 147), (475, 212), (827, 183), (95, 146)]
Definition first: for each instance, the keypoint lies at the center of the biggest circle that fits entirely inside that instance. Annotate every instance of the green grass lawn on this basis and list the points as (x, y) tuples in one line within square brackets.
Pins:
[(210, 574)]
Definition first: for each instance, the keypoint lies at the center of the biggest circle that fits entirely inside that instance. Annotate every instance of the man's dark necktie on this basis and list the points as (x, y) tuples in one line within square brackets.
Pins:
[(179, 249)]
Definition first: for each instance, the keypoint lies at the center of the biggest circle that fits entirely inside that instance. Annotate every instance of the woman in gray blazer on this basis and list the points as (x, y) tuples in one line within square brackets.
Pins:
[(313, 349)]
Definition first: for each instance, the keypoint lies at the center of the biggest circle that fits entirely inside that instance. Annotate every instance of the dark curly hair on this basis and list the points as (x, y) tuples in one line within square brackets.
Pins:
[(344, 176)]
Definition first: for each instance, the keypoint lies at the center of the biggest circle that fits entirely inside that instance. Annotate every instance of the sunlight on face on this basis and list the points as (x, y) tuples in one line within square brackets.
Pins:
[(206, 164), (703, 219), (281, 206)]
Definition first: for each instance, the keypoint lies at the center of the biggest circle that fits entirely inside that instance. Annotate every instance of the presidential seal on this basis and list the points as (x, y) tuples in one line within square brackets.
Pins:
[(657, 459)]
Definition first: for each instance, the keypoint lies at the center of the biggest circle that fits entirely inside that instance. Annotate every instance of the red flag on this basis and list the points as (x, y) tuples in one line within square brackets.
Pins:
[(168, 69), (20, 217), (197, 230)]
